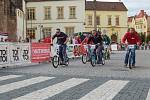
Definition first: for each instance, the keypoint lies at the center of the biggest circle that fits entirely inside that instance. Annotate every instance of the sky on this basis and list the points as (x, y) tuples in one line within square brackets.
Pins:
[(134, 6)]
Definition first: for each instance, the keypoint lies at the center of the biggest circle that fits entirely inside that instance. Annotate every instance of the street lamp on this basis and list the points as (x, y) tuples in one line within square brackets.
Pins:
[(41, 28), (95, 22)]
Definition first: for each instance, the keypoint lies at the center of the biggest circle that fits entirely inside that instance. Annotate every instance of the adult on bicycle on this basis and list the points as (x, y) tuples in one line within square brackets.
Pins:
[(106, 42), (62, 40), (106, 39), (97, 40), (132, 38)]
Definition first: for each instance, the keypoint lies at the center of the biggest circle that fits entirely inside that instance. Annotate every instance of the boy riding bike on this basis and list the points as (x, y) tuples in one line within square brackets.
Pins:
[(132, 39), (95, 39)]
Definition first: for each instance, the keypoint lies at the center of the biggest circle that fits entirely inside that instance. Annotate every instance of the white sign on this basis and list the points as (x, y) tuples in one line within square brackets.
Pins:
[(114, 47), (4, 52)]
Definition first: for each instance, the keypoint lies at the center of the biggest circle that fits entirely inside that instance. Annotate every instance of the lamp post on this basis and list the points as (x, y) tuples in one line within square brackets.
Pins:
[(95, 22), (41, 28)]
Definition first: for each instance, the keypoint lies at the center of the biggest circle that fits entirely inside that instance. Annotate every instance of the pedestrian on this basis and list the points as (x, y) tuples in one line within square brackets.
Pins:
[(28, 39), (19, 39), (2, 39), (47, 39)]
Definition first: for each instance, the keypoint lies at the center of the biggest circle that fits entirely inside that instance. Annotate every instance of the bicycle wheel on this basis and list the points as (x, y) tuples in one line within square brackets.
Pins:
[(108, 56), (55, 61), (103, 61), (130, 67), (84, 58), (67, 61), (93, 61)]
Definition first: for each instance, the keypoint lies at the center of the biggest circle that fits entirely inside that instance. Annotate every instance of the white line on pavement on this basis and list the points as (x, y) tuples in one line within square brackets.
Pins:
[(107, 91), (148, 95), (2, 78), (52, 90), (24, 83)]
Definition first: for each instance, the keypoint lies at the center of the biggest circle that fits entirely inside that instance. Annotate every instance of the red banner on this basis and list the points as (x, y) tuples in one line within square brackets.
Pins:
[(40, 52)]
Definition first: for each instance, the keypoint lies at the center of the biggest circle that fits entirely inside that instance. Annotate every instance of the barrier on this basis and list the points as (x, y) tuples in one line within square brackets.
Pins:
[(25, 53), (114, 47), (40, 52), (14, 54)]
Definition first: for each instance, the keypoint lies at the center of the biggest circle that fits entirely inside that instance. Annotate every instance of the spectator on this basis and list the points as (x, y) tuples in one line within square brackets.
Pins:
[(19, 40), (28, 39), (47, 39), (2, 39), (142, 46), (149, 44)]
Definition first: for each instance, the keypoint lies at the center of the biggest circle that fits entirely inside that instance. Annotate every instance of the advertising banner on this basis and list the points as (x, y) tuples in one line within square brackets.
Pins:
[(4, 54), (40, 52)]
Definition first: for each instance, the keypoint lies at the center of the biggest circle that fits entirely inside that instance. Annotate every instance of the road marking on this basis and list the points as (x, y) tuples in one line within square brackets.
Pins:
[(107, 91), (148, 95), (24, 83), (2, 78), (52, 90)]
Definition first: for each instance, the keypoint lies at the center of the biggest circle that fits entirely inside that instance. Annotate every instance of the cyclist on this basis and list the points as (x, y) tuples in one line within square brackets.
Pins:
[(132, 38), (97, 40), (106, 39), (62, 40), (106, 42)]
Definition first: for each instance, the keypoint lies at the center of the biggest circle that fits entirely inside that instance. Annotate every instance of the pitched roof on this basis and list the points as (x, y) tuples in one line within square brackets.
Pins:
[(130, 18), (141, 14), (106, 6)]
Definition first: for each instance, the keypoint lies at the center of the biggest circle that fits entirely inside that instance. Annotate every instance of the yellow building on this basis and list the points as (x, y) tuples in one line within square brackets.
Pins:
[(141, 22), (111, 17)]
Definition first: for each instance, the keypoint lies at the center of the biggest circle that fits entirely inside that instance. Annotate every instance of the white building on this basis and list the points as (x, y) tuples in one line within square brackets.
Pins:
[(45, 16), (21, 22)]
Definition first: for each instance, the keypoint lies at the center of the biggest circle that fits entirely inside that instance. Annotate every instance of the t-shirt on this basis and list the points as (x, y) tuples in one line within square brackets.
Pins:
[(47, 40), (61, 38)]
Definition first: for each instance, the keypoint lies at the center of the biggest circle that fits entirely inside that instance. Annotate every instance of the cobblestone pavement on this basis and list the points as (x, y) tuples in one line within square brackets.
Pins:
[(78, 81)]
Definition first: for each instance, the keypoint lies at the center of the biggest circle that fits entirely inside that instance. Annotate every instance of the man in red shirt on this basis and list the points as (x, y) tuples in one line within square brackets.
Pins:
[(47, 39), (132, 39)]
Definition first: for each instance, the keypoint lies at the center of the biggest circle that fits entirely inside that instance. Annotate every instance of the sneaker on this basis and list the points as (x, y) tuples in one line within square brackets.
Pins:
[(125, 65), (133, 65), (130, 66)]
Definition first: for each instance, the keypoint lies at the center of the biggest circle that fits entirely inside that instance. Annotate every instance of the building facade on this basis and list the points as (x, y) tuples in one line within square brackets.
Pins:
[(8, 17), (141, 23), (111, 18), (45, 16)]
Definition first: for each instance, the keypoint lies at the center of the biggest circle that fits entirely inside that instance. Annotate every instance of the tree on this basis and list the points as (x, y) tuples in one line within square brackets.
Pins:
[(148, 38), (142, 36)]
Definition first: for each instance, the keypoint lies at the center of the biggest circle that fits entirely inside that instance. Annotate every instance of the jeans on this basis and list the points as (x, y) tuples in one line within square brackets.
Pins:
[(99, 53), (62, 52), (130, 60)]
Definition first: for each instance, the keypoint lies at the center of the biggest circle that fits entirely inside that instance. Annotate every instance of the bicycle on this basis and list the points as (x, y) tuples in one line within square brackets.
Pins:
[(95, 58), (87, 55), (106, 52), (56, 60)]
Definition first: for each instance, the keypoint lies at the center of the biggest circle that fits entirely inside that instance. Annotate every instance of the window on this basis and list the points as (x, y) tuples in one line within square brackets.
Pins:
[(109, 20), (69, 30), (98, 20), (117, 20), (60, 11), (89, 20), (30, 13), (47, 31), (47, 13), (31, 33), (72, 12)]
